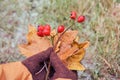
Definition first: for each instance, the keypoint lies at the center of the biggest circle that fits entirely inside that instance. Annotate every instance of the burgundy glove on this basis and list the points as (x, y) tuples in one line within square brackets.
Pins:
[(36, 62), (61, 70)]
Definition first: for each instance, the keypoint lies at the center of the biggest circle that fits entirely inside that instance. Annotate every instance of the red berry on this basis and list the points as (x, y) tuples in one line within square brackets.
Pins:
[(40, 28), (60, 28), (81, 19), (73, 15), (46, 32), (47, 27), (40, 33)]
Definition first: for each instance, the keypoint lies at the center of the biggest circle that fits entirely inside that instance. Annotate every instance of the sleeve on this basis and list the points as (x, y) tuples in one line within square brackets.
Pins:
[(14, 71)]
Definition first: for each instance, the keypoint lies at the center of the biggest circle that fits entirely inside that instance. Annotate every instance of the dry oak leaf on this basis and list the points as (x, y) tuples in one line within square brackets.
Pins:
[(81, 45), (68, 52), (67, 37), (66, 40), (73, 62), (35, 44), (71, 52)]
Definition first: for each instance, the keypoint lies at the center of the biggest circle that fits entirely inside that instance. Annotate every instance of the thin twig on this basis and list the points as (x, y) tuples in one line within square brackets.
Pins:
[(41, 69), (105, 61), (48, 71), (45, 66)]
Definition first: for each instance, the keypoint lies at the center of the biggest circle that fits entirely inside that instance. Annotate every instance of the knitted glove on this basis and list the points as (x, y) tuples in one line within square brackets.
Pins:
[(36, 62), (61, 71)]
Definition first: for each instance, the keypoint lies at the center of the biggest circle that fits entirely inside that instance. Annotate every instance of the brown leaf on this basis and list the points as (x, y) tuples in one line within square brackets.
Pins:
[(67, 53), (67, 37), (35, 44), (81, 45), (66, 40), (71, 52), (78, 56), (75, 66), (73, 62)]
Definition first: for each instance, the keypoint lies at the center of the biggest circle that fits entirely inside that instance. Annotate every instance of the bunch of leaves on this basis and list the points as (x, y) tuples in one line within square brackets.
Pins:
[(69, 50)]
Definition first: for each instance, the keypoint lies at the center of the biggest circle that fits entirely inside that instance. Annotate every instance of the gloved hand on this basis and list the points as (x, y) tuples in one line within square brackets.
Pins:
[(36, 62), (61, 71)]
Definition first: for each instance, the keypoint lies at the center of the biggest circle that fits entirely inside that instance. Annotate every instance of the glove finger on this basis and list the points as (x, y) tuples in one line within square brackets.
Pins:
[(44, 55), (40, 57), (57, 63), (34, 62)]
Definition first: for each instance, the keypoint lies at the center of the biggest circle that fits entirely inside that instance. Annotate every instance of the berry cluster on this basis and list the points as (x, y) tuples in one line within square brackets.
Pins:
[(74, 16), (45, 30)]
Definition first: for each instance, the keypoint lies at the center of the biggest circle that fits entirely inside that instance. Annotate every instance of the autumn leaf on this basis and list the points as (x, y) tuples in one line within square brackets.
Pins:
[(75, 66), (81, 45), (73, 62), (66, 40), (69, 50), (67, 53), (67, 37), (34, 43)]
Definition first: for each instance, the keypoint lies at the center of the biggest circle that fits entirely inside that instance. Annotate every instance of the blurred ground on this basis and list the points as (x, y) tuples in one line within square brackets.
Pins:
[(102, 29)]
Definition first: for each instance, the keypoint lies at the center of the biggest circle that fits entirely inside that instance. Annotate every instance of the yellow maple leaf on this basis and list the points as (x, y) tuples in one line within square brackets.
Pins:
[(34, 43)]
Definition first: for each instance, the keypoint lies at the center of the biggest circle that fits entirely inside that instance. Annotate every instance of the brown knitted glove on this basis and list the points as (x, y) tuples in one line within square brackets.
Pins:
[(36, 62), (60, 69)]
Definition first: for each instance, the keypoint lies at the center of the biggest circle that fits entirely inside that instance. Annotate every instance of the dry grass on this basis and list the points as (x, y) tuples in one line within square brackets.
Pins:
[(102, 29)]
